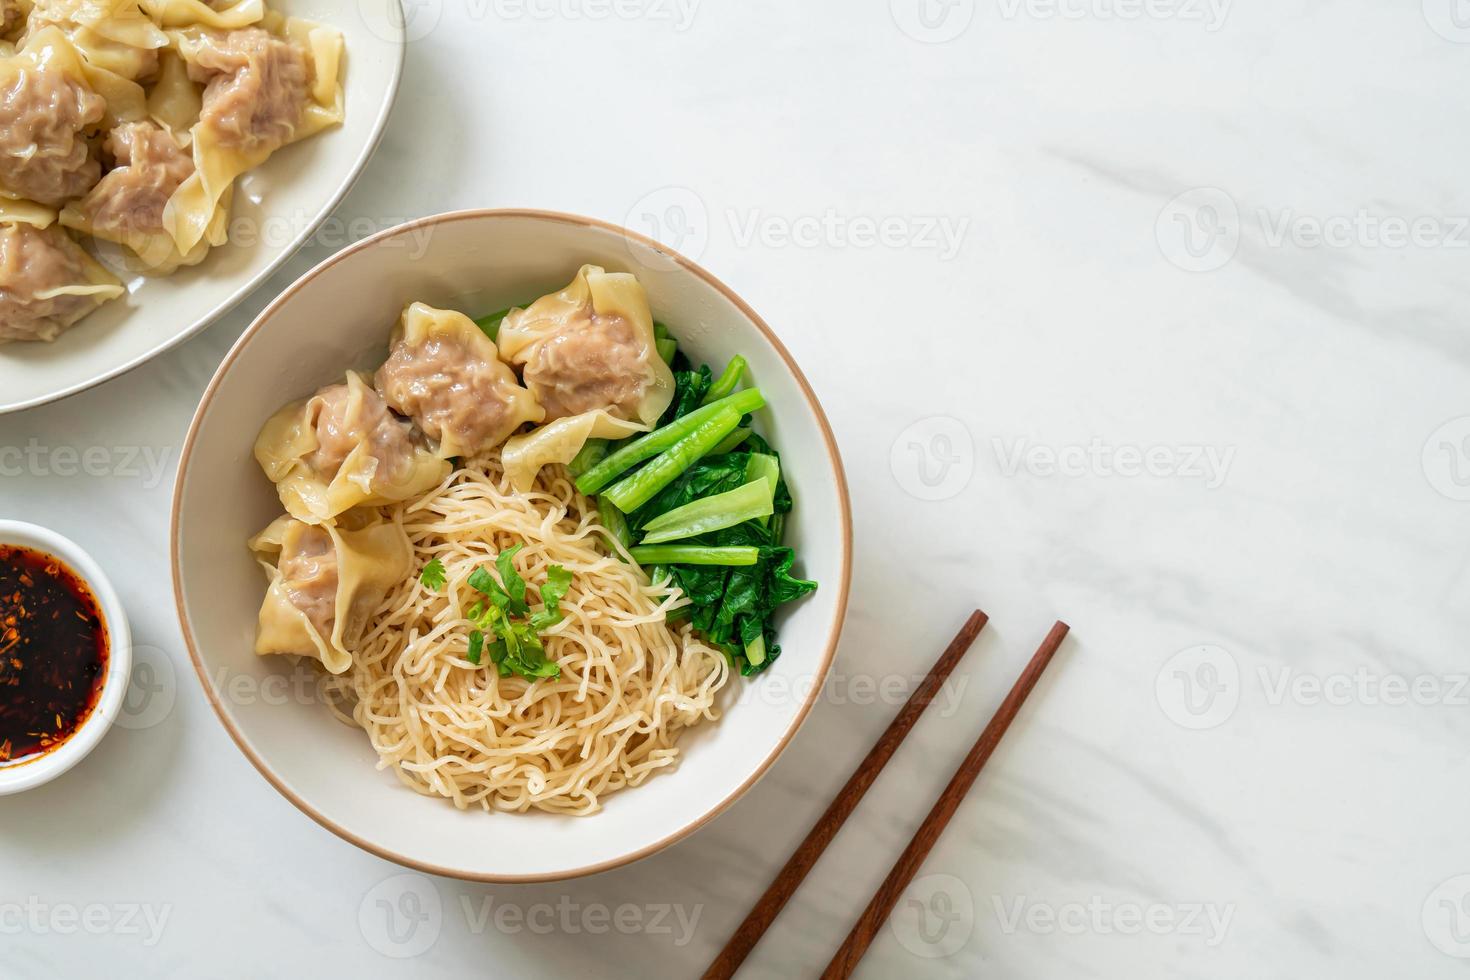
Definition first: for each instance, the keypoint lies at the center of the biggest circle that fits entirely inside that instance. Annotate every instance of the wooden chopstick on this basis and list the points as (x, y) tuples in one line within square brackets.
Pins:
[(821, 834), (908, 863)]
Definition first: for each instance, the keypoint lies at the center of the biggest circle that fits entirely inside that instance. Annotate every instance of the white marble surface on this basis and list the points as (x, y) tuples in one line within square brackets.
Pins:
[(1249, 760)]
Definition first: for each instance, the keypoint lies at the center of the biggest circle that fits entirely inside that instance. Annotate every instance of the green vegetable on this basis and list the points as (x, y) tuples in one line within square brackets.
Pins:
[(732, 441), (680, 554), (667, 348), (615, 522), (755, 650), (664, 437), (491, 324), (749, 502), (432, 575), (514, 646), (711, 475), (638, 489), (763, 466), (729, 379), (588, 456), (732, 606), (689, 391)]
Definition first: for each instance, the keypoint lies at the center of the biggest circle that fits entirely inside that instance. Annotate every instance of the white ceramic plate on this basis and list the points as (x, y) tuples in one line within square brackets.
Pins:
[(276, 208), (338, 316)]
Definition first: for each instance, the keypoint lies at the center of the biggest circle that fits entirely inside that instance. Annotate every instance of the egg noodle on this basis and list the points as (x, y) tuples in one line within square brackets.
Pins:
[(630, 681)]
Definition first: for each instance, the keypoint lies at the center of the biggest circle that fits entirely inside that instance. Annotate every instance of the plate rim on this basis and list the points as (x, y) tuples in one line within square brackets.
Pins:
[(375, 139), (839, 613)]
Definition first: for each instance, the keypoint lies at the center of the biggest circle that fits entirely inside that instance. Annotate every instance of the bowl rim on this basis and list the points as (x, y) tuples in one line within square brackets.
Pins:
[(44, 768), (354, 174), (845, 543)]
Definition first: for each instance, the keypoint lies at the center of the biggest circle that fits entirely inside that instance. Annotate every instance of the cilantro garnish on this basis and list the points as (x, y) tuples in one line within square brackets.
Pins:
[(433, 575), (514, 644)]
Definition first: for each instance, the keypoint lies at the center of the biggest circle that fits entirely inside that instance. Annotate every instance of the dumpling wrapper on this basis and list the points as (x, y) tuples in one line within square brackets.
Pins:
[(326, 581), (153, 250), (47, 281), (218, 161), (591, 346), (192, 13), (114, 35), (559, 442), (288, 443), (446, 374), (174, 100)]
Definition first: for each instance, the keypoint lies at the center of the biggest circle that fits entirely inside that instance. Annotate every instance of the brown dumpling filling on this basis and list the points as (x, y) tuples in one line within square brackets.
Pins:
[(256, 87), (598, 365), (44, 156), (310, 571), (35, 262), (131, 198), (339, 430)]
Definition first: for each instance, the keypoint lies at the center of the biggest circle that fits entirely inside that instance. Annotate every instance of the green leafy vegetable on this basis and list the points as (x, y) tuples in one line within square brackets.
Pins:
[(679, 554), (689, 391), (748, 502), (638, 489), (728, 381), (732, 441), (615, 522), (667, 348), (588, 456), (514, 645), (664, 437), (432, 575)]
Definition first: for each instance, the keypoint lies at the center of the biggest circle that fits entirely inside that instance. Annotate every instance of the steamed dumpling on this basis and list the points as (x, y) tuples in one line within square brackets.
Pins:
[(264, 87), (340, 448), (589, 347), (127, 204), (47, 108), (114, 35), (47, 282), (325, 583), (559, 442), (445, 373)]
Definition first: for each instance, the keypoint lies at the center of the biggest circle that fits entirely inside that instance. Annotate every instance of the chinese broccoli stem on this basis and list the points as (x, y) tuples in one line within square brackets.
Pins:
[(726, 382), (591, 453), (614, 521), (688, 554), (746, 503), (733, 440), (634, 491), (661, 439)]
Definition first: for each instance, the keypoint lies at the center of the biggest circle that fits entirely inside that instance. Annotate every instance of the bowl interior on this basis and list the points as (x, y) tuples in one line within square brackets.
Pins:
[(276, 207), (339, 316)]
